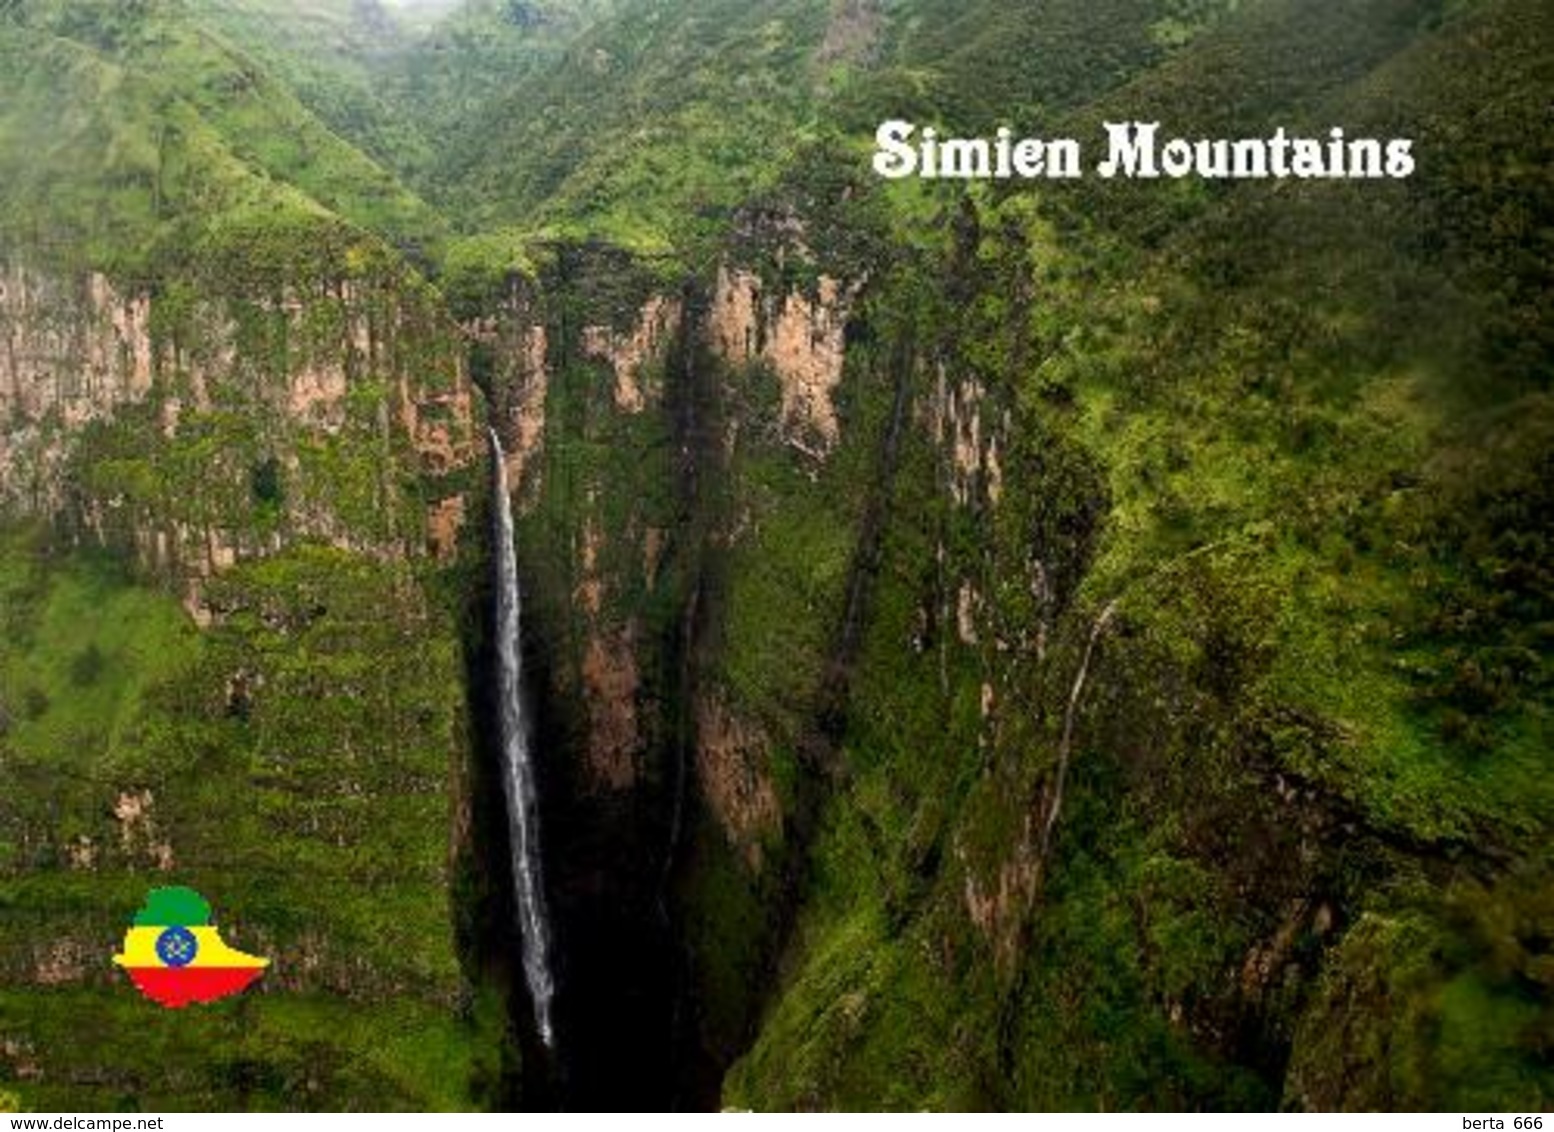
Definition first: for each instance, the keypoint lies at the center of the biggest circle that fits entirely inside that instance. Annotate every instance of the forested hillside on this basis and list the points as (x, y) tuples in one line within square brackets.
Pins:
[(1042, 645)]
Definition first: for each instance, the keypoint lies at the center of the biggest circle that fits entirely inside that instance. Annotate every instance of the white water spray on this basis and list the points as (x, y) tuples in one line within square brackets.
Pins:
[(523, 818)]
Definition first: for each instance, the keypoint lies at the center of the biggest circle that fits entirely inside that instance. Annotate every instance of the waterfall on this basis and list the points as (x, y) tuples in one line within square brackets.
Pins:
[(1066, 746), (523, 818)]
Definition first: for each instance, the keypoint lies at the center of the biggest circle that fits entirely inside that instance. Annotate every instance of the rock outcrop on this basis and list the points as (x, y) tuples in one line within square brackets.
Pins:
[(629, 353), (71, 352), (732, 776), (801, 337)]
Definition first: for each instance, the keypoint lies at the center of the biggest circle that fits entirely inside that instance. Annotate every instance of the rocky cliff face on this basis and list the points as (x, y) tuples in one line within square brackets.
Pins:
[(73, 353), (821, 587), (628, 369), (324, 397), (799, 336)]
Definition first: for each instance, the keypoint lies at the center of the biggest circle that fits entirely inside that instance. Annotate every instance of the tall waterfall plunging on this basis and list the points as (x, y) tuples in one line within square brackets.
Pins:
[(523, 819)]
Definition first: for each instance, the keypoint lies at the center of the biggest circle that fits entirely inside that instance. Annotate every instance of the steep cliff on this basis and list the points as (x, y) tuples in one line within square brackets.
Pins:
[(322, 394)]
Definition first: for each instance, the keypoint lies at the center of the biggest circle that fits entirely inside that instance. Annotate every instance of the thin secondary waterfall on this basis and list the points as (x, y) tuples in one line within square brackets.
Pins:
[(523, 818)]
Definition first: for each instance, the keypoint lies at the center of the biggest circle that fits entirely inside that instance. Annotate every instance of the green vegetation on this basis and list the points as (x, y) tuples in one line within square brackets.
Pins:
[(1143, 704), (292, 765), (137, 126), (1310, 499), (299, 760), (82, 696)]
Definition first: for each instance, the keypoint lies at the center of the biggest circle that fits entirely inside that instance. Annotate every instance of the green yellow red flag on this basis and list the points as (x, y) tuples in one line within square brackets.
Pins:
[(176, 956)]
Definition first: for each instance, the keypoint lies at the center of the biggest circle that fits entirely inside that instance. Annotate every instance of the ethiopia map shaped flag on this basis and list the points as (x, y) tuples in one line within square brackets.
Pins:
[(176, 956)]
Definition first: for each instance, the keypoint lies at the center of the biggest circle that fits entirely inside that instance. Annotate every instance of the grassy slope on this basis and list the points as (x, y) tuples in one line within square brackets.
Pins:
[(663, 118), (422, 92), (323, 847), (167, 128), (448, 79), (331, 54)]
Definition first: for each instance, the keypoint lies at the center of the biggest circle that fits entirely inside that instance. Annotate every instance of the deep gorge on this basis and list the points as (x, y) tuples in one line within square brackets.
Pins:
[(627, 851)]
